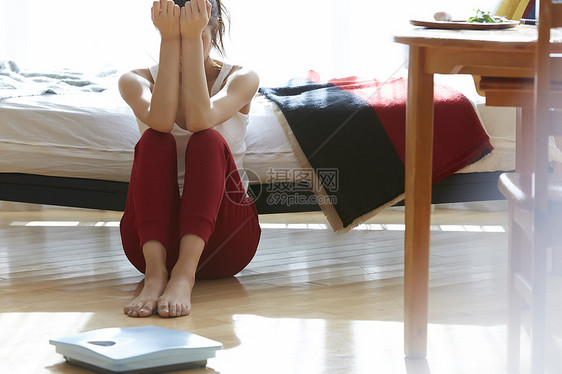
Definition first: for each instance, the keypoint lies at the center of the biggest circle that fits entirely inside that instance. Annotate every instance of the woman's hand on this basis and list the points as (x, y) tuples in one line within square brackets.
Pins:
[(194, 17), (166, 18)]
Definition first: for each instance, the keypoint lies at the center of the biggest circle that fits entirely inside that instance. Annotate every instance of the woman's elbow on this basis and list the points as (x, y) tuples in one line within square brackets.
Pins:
[(160, 125), (194, 127), (162, 129), (198, 124)]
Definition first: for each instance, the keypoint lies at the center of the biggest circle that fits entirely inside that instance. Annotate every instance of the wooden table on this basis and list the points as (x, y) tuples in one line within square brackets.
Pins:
[(505, 53)]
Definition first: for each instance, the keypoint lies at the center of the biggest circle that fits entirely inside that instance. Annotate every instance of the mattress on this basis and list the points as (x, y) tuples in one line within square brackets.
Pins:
[(85, 134), (92, 135)]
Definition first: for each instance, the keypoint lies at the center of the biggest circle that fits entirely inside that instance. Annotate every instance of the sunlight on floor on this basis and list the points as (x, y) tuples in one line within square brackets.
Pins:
[(32, 338), (284, 226), (319, 345)]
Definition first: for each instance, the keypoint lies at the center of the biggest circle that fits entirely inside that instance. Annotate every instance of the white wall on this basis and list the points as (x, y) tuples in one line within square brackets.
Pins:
[(85, 35), (279, 39), (335, 38)]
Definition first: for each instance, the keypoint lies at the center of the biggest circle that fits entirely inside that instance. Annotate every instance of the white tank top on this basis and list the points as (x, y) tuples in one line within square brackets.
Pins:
[(232, 130)]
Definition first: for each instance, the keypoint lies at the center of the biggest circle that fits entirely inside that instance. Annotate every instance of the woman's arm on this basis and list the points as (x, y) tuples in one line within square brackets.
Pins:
[(156, 106), (202, 112)]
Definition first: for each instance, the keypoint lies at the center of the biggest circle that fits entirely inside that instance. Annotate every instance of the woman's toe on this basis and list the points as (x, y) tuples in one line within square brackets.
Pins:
[(184, 310), (147, 310), (164, 310)]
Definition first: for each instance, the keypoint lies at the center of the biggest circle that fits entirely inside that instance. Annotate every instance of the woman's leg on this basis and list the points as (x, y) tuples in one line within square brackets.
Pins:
[(149, 224), (219, 228)]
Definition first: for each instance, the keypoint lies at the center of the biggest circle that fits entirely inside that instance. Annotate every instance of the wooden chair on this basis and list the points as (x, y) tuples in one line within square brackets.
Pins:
[(535, 197)]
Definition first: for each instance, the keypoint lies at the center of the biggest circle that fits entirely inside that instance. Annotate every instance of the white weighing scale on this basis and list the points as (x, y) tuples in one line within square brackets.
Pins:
[(147, 349)]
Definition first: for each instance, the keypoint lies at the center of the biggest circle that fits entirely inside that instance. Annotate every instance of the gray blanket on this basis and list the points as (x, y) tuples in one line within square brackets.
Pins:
[(16, 82)]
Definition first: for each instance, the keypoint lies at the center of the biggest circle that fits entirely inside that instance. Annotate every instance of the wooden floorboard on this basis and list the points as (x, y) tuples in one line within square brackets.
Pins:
[(311, 301)]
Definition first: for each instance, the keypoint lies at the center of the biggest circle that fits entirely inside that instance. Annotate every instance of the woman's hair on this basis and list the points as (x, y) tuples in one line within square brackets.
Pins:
[(217, 22)]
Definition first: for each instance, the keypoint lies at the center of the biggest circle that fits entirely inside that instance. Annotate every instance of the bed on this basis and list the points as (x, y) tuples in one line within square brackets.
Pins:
[(76, 149)]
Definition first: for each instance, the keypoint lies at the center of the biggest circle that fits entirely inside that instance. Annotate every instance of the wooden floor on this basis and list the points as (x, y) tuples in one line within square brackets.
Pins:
[(310, 302)]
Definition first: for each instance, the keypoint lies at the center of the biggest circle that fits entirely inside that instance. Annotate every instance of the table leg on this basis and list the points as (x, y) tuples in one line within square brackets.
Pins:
[(419, 157)]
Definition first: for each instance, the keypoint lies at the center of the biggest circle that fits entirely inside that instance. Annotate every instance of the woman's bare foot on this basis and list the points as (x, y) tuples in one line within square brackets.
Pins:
[(155, 281), (176, 299), (144, 305)]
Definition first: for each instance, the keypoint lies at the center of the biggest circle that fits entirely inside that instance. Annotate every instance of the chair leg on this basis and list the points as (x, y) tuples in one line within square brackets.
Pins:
[(514, 299), (514, 330), (538, 329), (557, 260)]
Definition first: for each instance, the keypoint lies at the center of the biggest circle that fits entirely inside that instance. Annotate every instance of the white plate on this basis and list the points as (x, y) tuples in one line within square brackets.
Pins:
[(463, 25)]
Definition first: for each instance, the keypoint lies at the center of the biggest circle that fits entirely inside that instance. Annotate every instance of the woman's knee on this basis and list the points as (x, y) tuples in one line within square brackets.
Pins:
[(152, 139), (207, 138)]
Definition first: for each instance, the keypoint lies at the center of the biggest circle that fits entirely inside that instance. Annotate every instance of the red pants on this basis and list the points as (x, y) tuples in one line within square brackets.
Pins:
[(213, 206)]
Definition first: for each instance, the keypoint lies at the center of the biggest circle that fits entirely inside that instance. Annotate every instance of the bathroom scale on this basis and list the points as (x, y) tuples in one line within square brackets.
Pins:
[(147, 349)]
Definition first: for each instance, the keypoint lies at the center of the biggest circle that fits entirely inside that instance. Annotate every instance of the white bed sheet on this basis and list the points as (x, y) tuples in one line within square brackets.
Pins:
[(92, 135)]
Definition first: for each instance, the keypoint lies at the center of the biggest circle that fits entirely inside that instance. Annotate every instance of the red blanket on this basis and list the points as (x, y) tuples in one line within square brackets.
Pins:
[(459, 138)]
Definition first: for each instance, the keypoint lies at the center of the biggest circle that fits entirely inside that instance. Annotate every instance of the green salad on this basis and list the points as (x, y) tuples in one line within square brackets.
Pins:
[(485, 17)]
